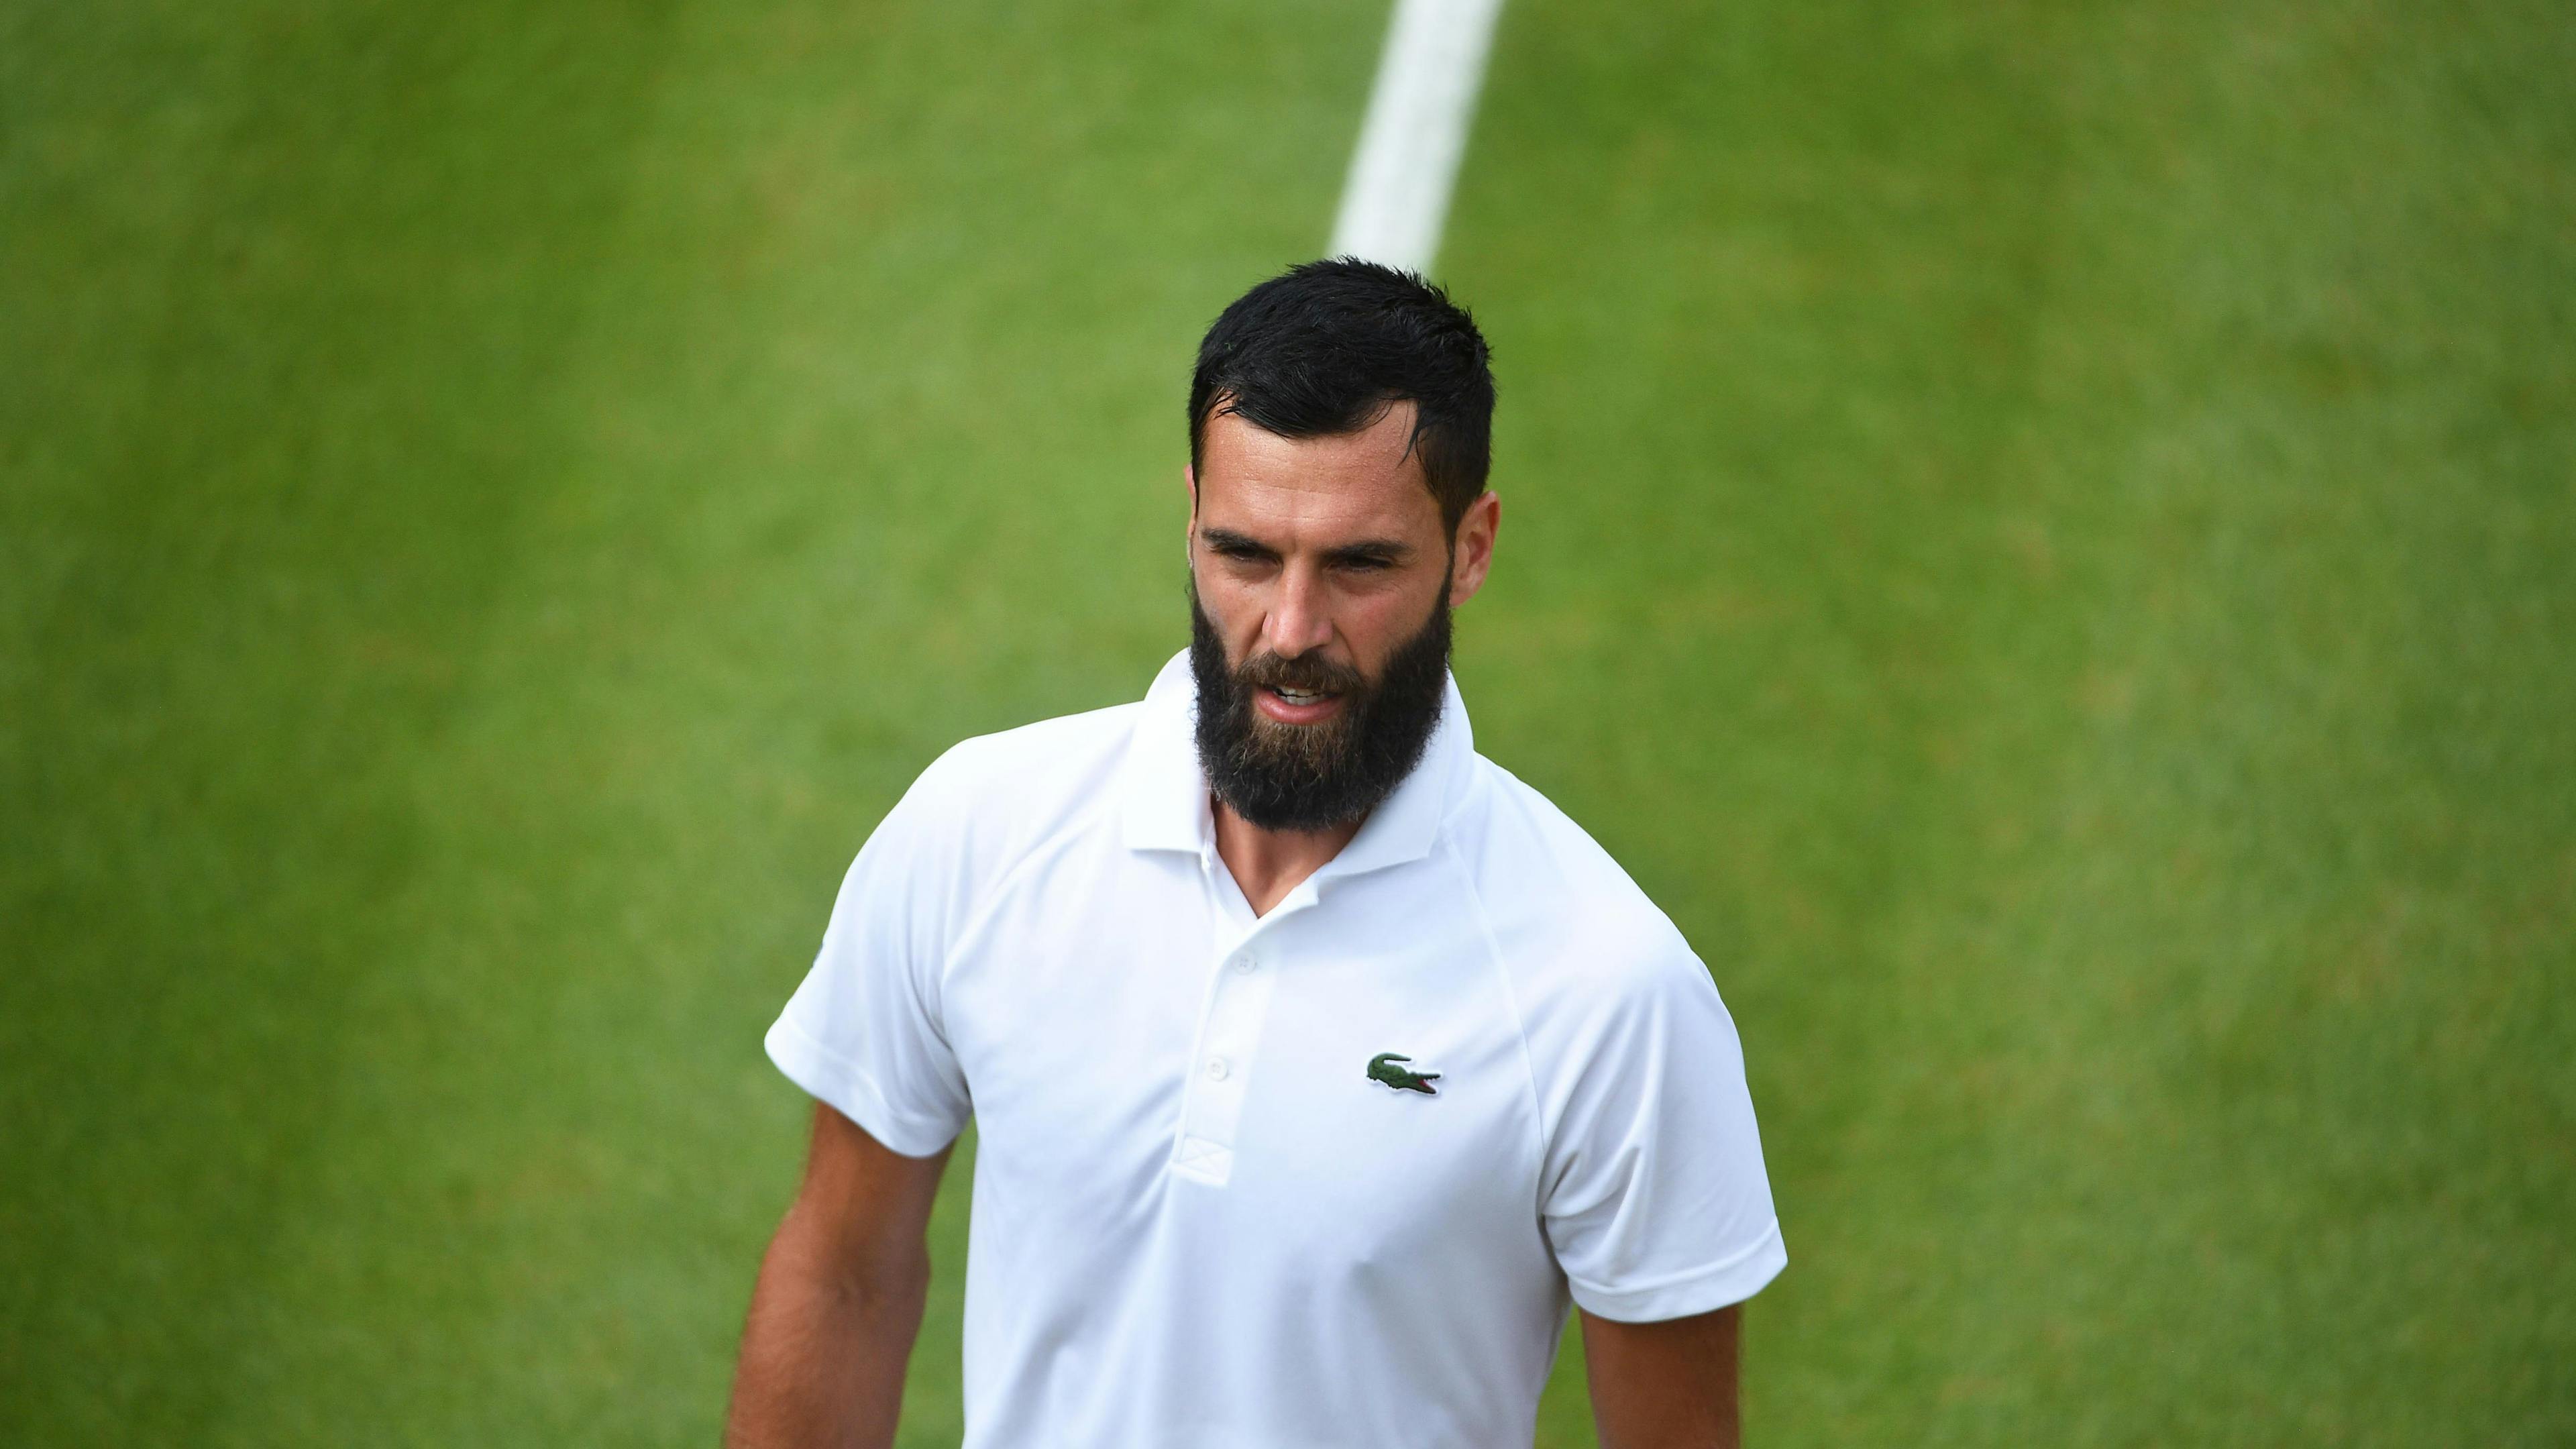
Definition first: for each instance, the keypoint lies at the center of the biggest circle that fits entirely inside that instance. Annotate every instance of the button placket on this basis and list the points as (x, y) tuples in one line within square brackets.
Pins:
[(1229, 1036)]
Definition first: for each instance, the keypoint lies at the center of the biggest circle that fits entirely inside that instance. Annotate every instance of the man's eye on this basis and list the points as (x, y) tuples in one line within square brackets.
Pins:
[(1364, 563)]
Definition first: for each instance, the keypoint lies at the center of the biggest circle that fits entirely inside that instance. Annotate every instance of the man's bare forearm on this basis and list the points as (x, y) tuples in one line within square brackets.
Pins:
[(824, 1347)]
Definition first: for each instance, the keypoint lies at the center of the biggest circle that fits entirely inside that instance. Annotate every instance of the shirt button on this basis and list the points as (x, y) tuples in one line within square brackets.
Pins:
[(1244, 963), (1216, 1069)]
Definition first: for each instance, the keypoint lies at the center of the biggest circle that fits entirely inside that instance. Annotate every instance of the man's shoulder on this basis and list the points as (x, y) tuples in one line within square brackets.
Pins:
[(1031, 779), (984, 806), (1562, 909)]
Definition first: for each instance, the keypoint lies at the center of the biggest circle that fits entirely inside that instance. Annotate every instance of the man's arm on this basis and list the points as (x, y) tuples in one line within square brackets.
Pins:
[(839, 1298), (1668, 1385)]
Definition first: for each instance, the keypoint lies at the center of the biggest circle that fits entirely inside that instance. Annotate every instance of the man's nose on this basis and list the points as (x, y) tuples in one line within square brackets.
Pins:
[(1299, 620)]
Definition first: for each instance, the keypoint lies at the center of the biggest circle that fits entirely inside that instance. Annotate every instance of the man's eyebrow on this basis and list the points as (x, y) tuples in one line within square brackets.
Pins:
[(1370, 550), (1227, 538), (1366, 550)]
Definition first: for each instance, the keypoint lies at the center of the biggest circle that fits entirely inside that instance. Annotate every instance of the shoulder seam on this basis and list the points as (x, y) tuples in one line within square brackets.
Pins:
[(977, 909), (980, 911), (1520, 1030)]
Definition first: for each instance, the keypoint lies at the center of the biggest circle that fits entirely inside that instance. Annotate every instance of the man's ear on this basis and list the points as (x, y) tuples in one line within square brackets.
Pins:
[(1471, 550), (1190, 480)]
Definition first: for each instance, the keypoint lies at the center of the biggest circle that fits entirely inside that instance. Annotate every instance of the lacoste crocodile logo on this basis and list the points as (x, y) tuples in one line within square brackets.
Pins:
[(1383, 1068)]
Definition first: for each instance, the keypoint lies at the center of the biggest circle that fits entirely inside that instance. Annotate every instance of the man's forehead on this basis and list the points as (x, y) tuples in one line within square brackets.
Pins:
[(1372, 474)]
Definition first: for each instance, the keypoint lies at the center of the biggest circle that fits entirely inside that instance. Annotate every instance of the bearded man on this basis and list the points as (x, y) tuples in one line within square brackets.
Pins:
[(1320, 1067)]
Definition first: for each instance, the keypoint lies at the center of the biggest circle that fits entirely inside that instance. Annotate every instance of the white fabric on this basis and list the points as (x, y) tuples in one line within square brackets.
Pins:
[(1196, 1220)]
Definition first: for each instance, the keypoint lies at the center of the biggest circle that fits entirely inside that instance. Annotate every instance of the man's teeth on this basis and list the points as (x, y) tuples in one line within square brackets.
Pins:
[(1301, 696)]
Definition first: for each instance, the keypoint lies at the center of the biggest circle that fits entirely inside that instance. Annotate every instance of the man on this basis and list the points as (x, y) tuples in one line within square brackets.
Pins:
[(1320, 1066)]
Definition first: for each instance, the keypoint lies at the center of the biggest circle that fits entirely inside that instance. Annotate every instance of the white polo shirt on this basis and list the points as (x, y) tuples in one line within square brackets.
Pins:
[(1199, 1220)]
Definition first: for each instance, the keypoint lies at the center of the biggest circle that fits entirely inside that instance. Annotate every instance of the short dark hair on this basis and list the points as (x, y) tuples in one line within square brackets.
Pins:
[(1328, 346)]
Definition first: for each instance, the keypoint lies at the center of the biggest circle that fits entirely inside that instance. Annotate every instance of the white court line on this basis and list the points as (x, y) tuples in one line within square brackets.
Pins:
[(1398, 191)]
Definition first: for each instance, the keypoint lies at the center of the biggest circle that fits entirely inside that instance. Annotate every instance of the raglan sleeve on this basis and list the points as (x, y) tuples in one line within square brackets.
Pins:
[(1654, 1197), (864, 1032)]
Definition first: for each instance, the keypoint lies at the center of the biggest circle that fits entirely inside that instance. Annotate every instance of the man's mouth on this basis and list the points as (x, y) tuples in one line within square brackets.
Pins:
[(1297, 706)]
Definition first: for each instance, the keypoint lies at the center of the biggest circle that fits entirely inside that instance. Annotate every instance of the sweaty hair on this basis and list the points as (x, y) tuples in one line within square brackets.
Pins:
[(1327, 347)]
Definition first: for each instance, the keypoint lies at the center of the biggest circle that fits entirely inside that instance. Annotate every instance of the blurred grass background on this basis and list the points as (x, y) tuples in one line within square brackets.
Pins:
[(2045, 536)]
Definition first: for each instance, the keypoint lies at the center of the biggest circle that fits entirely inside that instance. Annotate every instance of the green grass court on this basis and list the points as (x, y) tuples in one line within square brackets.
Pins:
[(2044, 536)]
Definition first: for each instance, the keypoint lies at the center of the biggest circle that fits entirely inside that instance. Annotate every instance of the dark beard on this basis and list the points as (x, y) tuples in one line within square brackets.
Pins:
[(1325, 775)]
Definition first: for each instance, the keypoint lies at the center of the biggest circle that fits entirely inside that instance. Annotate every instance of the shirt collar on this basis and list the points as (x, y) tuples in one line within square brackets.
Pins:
[(1164, 793)]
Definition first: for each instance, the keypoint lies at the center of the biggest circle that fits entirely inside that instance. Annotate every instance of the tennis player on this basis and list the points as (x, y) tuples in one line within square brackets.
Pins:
[(1320, 1067)]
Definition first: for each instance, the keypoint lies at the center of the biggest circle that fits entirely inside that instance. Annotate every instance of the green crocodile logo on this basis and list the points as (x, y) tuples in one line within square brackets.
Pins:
[(1383, 1068)]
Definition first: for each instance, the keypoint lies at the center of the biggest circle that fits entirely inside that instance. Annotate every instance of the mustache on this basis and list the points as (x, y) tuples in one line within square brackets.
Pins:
[(1306, 673)]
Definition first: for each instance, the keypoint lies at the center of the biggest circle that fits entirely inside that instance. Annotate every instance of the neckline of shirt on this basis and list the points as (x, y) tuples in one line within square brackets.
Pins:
[(1163, 794)]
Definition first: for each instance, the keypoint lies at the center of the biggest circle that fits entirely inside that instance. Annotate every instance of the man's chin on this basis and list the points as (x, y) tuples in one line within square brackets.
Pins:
[(1307, 748)]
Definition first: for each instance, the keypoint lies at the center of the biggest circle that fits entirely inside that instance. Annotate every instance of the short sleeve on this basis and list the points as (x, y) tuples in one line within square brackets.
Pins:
[(863, 1031), (1654, 1196)]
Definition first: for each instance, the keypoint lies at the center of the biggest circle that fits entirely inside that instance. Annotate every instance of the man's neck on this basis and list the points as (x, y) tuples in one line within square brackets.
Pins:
[(1268, 864)]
